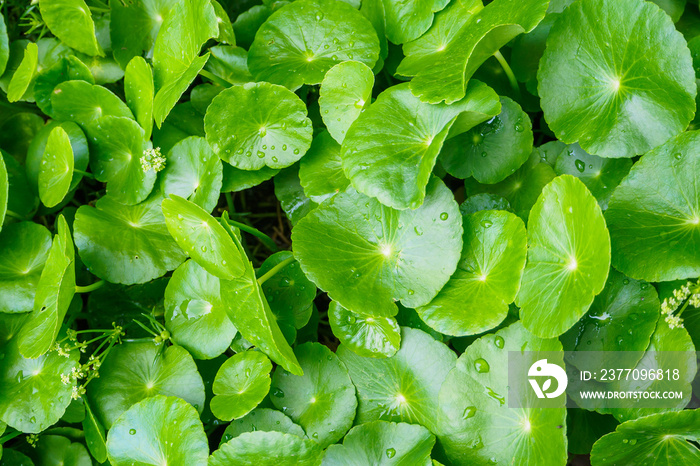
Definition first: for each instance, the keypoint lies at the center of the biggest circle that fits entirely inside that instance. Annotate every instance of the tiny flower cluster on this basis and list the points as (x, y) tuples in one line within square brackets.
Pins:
[(688, 294), (152, 159)]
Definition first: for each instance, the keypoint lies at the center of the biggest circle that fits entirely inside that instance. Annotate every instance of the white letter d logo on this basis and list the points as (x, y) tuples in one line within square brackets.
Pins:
[(542, 368)]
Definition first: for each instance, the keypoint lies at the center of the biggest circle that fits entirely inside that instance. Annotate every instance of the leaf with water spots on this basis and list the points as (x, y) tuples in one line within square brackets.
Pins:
[(302, 40), (240, 385), (616, 102), (71, 21), (139, 91), (264, 420), (654, 215), (267, 449), (568, 258), (376, 337), (166, 429), (56, 170), (367, 255), (382, 443), (85, 103)]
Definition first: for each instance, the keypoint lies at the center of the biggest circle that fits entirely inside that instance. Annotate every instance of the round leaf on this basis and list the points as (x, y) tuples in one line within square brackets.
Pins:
[(24, 248), (67, 69), (301, 41), (616, 101), (322, 401), (126, 244), (654, 215), (194, 172), (203, 237), (493, 150), (484, 201), (195, 314), (476, 297), (84, 103), (71, 21), (139, 370), (24, 74), (393, 162), (374, 337), (56, 170), (383, 443), (258, 124), (235, 179), (568, 258), (158, 430), (445, 74), (241, 384), (56, 449), (664, 437), (290, 194), (267, 449), (264, 420), (408, 21), (321, 170), (405, 386), (138, 90), (32, 394), (345, 92), (366, 255)]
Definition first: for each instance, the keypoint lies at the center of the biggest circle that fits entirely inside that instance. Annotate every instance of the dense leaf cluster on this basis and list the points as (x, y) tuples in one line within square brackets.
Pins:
[(311, 232)]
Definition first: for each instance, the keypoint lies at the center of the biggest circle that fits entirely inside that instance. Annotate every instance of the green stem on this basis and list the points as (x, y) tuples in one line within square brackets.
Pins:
[(509, 72), (85, 174), (229, 203), (215, 78), (89, 288), (264, 239), (270, 273), (9, 213), (8, 437)]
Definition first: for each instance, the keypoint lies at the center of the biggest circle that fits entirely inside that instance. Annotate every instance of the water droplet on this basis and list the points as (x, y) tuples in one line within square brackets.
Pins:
[(444, 216), (486, 223), (352, 319), (418, 230), (296, 151), (315, 435), (519, 128), (580, 166), (484, 154), (481, 366), (275, 159), (278, 393), (469, 411), (132, 431), (204, 249), (319, 16), (499, 341), (261, 154), (247, 372), (678, 156), (411, 292), (390, 452), (625, 281), (284, 146)]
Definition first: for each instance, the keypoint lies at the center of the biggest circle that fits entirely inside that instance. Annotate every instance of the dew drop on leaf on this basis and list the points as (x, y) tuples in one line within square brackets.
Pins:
[(132, 431), (580, 166), (499, 342), (390, 452), (481, 366), (469, 411)]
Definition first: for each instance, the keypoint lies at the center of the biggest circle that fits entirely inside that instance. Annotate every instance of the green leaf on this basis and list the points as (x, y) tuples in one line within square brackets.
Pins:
[(56, 170), (345, 92), (138, 370), (248, 22), (195, 314), (229, 63), (654, 215), (117, 149), (135, 25), (476, 424), (184, 120), (493, 150), (176, 60), (71, 21), (522, 188), (366, 255), (21, 198), (24, 74), (194, 172), (84, 103), (405, 386), (4, 45), (226, 34), (257, 125), (568, 258), (484, 201), (235, 180), (583, 428), (146, 434), (68, 68), (288, 292), (407, 21), (56, 449), (251, 314), (95, 437), (527, 50), (290, 194), (24, 249), (616, 101), (301, 41), (393, 162), (488, 275), (32, 395), (445, 73), (54, 293), (138, 89), (322, 401), (203, 238), (240, 385), (321, 170), (383, 443), (267, 449), (126, 244), (4, 190), (665, 437), (373, 337), (622, 318), (264, 420)]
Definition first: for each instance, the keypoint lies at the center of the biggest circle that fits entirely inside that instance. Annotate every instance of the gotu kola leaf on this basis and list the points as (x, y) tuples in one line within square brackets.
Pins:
[(366, 255), (654, 215), (71, 21), (444, 74), (241, 383), (24, 73), (321, 169), (262, 419), (267, 449), (568, 258), (302, 40), (56, 172), (390, 150), (376, 337), (616, 101)]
